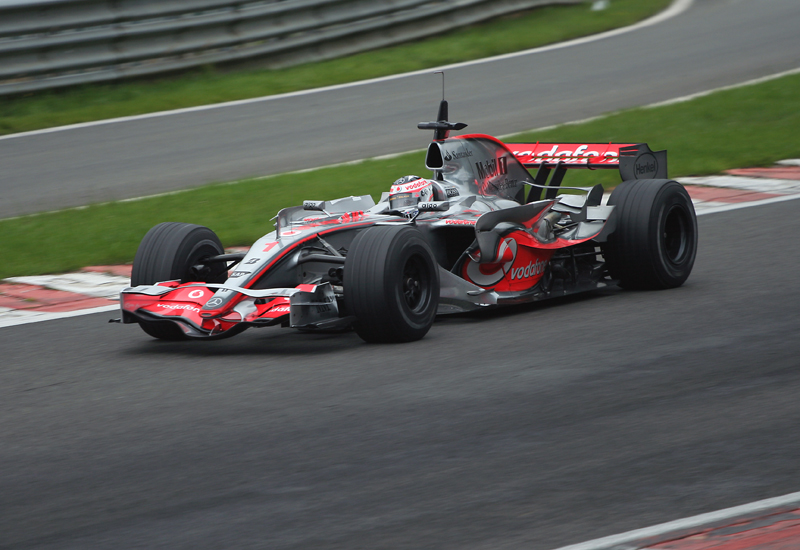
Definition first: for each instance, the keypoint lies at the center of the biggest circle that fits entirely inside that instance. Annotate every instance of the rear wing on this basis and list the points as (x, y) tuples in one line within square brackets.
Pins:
[(634, 160)]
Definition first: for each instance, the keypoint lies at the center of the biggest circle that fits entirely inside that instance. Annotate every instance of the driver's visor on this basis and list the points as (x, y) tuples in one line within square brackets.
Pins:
[(402, 200)]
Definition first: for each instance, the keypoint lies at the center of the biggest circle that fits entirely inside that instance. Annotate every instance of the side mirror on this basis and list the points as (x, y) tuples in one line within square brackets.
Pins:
[(319, 206), (437, 206)]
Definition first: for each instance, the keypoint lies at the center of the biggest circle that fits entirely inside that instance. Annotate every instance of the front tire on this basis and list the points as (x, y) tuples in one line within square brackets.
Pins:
[(391, 284), (168, 252), (654, 243)]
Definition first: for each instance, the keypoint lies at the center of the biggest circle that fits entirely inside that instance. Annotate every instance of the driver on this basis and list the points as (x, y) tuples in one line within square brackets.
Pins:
[(409, 191)]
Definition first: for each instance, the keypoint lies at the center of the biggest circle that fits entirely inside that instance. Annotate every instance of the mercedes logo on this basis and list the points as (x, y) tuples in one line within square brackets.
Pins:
[(214, 302)]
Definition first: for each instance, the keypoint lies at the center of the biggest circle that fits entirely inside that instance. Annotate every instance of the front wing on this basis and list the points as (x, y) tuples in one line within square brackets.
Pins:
[(305, 306)]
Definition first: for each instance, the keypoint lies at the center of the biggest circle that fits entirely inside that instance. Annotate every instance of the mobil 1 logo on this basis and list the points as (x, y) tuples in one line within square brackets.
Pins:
[(492, 167)]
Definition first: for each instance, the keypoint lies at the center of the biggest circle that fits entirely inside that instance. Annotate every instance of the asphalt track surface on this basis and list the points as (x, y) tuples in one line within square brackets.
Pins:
[(532, 427), (715, 43)]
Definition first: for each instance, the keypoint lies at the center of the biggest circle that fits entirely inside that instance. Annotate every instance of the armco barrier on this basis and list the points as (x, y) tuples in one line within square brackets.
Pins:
[(53, 43)]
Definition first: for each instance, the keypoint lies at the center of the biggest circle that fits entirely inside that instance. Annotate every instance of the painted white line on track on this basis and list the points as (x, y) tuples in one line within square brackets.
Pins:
[(676, 8), (22, 317), (752, 82), (740, 205), (745, 183), (681, 99), (624, 540)]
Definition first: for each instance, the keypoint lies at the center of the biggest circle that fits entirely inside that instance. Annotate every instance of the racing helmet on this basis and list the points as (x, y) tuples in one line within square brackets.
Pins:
[(408, 191)]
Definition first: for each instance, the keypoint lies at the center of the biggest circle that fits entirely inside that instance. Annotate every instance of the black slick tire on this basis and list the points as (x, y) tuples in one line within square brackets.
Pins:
[(654, 243), (168, 252), (391, 284)]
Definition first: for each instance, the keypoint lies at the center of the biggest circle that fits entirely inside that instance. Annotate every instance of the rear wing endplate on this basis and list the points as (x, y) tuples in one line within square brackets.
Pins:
[(634, 160)]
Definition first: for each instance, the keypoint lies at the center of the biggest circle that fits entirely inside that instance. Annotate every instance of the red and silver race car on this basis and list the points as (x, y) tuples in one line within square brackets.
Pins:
[(480, 232)]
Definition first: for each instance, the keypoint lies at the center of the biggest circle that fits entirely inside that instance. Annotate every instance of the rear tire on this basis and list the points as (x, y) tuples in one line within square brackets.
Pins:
[(654, 243), (391, 284), (168, 252)]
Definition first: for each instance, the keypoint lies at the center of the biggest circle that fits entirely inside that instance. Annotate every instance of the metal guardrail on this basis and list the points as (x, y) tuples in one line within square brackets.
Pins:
[(54, 43)]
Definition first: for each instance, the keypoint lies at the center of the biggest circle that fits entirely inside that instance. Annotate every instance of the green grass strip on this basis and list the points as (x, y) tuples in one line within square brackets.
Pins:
[(749, 126), (214, 85)]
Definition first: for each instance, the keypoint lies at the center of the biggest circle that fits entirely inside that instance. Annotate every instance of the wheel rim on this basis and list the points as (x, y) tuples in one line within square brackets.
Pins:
[(416, 284), (676, 235)]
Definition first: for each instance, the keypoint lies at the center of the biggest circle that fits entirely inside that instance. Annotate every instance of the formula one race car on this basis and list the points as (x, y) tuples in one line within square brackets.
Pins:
[(475, 234)]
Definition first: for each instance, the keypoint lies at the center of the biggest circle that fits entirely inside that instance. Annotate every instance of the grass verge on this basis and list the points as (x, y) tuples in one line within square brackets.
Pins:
[(750, 126), (211, 85)]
